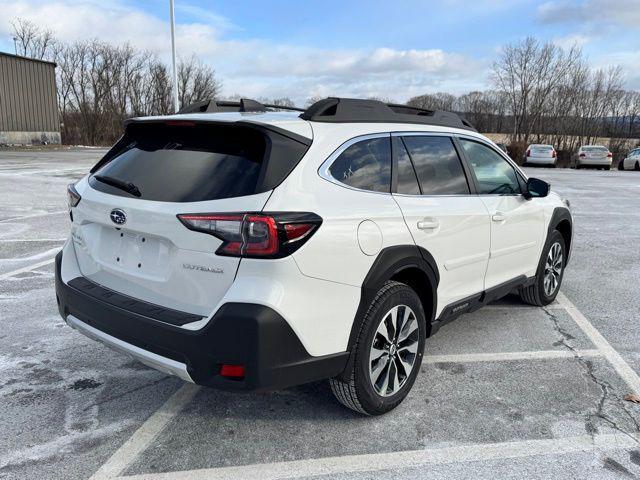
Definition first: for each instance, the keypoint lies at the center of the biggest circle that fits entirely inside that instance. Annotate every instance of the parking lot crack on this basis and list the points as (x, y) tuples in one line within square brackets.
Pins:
[(604, 386)]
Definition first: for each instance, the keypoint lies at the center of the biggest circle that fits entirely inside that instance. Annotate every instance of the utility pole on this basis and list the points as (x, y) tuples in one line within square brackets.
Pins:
[(173, 58)]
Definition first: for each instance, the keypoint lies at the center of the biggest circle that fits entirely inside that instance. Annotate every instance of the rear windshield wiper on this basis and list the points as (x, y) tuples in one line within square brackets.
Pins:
[(121, 184)]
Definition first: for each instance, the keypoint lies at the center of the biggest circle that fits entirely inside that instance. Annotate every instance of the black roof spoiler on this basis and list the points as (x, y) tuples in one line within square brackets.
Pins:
[(353, 110), (244, 105)]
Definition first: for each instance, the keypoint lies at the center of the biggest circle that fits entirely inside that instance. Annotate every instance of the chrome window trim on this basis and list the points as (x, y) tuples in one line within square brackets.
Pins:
[(324, 172)]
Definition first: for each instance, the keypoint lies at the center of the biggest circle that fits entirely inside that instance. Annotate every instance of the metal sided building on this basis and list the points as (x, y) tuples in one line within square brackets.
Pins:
[(28, 105)]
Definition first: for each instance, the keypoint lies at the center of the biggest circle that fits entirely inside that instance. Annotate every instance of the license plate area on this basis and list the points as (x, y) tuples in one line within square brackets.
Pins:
[(138, 254)]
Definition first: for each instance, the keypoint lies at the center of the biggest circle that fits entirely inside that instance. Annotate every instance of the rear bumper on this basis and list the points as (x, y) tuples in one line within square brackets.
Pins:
[(540, 161), (252, 335), (593, 162)]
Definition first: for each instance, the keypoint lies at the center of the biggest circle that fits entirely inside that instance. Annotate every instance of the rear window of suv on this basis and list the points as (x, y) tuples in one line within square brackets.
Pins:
[(188, 162)]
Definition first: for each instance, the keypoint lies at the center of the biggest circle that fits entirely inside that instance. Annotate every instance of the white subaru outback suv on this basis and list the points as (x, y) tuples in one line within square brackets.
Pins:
[(245, 249)]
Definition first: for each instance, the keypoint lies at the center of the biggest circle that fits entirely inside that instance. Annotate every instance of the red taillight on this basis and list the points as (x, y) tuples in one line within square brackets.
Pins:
[(232, 371), (582, 155), (609, 155), (554, 154), (254, 234), (73, 197), (528, 153)]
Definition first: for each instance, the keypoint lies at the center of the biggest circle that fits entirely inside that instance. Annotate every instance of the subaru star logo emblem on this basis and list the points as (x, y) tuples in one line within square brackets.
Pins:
[(118, 216)]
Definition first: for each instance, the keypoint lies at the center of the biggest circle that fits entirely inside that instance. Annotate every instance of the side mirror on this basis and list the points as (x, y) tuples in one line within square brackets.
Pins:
[(537, 188)]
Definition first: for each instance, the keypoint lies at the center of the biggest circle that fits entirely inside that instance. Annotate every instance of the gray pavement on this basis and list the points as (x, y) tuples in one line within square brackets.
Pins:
[(510, 391)]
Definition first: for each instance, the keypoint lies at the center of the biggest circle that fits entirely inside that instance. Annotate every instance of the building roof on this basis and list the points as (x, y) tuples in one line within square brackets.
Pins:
[(19, 57)]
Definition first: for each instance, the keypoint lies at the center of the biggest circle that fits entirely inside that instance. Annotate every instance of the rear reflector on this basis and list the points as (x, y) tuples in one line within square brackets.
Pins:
[(232, 371), (255, 235)]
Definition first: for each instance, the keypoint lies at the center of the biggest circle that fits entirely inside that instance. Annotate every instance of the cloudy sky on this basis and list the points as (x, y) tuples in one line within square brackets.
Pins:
[(299, 49)]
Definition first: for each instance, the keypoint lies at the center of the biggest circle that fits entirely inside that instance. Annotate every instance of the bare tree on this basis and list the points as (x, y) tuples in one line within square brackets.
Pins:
[(31, 40), (529, 72), (196, 82), (436, 101)]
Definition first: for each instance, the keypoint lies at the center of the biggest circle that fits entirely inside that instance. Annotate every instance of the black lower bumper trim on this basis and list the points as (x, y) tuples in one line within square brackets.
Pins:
[(252, 335)]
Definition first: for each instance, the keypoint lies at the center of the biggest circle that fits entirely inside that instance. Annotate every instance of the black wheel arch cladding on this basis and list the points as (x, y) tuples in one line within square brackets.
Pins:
[(562, 221), (393, 263)]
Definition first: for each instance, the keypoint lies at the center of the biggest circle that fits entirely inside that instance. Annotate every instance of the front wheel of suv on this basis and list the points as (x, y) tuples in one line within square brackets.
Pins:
[(388, 352), (548, 279)]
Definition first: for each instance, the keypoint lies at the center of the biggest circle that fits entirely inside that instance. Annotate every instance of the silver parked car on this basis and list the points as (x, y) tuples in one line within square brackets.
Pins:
[(593, 156), (538, 154)]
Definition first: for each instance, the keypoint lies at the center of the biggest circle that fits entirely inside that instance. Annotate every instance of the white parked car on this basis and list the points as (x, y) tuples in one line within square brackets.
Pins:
[(252, 249), (631, 161), (537, 154), (593, 156)]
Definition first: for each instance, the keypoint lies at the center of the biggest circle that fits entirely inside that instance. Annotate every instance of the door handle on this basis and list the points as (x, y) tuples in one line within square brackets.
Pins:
[(428, 223), (498, 217)]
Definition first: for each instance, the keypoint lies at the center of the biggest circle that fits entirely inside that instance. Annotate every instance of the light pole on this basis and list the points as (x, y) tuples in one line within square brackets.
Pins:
[(173, 58)]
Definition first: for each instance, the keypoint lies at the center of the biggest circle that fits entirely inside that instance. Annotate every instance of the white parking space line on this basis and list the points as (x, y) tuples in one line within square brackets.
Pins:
[(509, 356), (35, 215), (621, 366), (27, 240), (396, 461), (149, 430), (28, 268), (146, 434)]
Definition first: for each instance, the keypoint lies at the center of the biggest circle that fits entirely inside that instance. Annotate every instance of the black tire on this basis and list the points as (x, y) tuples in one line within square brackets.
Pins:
[(535, 293), (637, 166), (607, 168), (359, 393), (621, 165)]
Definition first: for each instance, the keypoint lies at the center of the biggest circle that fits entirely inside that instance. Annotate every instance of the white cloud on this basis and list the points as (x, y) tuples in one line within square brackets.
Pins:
[(256, 67), (574, 39)]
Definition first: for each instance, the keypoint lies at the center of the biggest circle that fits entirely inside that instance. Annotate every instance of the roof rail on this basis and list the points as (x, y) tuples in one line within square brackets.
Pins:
[(244, 105), (353, 110)]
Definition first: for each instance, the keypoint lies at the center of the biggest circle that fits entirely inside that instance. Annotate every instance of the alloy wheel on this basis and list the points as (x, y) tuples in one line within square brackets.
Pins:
[(393, 350), (553, 269)]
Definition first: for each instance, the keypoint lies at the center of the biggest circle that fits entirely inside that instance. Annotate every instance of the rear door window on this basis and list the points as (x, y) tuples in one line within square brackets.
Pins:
[(407, 180), (365, 165), (437, 165)]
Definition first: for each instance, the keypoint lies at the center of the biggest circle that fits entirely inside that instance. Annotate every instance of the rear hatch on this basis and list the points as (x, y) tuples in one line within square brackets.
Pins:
[(541, 151), (126, 231), (596, 153)]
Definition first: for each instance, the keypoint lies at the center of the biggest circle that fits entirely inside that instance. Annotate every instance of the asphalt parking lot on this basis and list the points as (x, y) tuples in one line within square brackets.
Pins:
[(510, 391)]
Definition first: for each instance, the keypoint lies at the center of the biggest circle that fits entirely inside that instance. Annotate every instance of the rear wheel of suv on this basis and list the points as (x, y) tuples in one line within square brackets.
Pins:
[(547, 282), (388, 352)]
